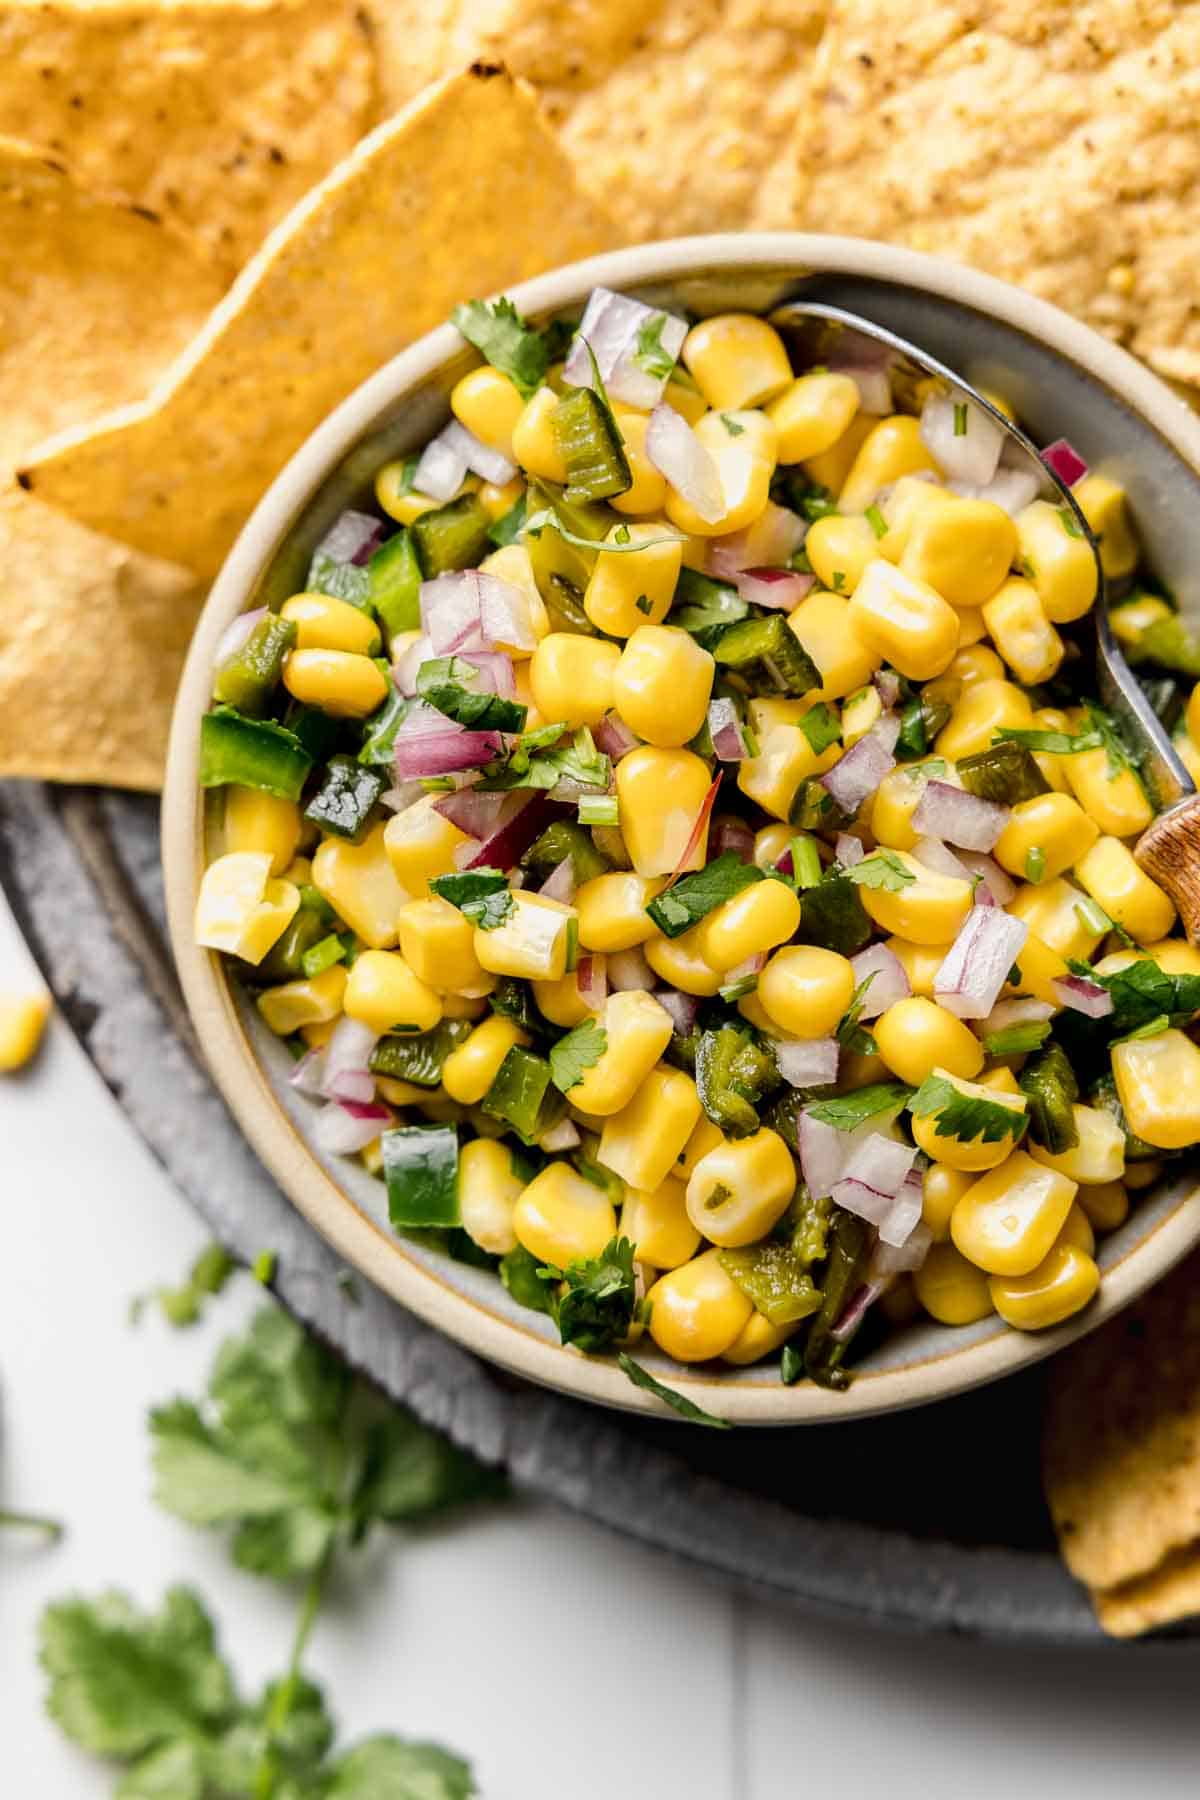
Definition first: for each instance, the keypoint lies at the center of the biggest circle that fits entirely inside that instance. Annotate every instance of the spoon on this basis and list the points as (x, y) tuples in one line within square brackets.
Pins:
[(1169, 849)]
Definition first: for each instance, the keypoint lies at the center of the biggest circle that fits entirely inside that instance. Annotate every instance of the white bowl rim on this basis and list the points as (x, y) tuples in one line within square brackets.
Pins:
[(238, 1072)]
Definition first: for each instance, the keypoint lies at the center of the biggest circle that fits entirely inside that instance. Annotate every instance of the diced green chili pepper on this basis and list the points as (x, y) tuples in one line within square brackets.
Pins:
[(775, 1279), (521, 1093), (920, 722), (511, 999), (379, 731), (833, 916), (317, 730), (419, 1058), (705, 607), (249, 677), (562, 839), (420, 1167), (1004, 772), (344, 580), (253, 753), (1048, 1083), (507, 529), (807, 1223), (519, 1273), (324, 954), (284, 961), (394, 584), (342, 803), (591, 447), (450, 537), (823, 1353), (734, 1071), (1167, 642), (768, 656)]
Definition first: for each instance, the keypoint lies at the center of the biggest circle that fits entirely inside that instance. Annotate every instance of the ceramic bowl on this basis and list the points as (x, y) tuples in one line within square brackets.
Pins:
[(1063, 379)]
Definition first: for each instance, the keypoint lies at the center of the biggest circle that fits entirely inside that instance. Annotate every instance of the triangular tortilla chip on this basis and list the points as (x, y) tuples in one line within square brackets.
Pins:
[(1163, 1597), (463, 193), (217, 114)]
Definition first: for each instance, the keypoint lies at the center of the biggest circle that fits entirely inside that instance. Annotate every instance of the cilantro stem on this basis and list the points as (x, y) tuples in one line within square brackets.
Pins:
[(52, 1529), (285, 1694)]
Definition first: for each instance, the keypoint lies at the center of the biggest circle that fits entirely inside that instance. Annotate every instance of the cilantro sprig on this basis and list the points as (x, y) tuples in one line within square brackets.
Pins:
[(650, 353), (450, 684), (503, 338), (481, 895), (575, 1053), (596, 1309), (687, 1409), (882, 869), (694, 896), (846, 1112), (966, 1116), (1142, 992)]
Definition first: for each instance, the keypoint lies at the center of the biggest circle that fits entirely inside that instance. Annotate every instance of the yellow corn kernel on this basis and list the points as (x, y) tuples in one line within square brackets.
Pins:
[(22, 1022), (1008, 1220), (742, 1187), (805, 989), (981, 710), (648, 492), (756, 1014), (612, 910), (662, 684), (1132, 617), (961, 548), (489, 405), (469, 1006), (751, 923), (561, 1001), (917, 1036), (1175, 956), (657, 1225), (488, 1190), (920, 963), (438, 944), (1129, 897), (906, 500), (975, 662), (839, 547), (497, 500), (1052, 823), (643, 1141), (704, 1138), (1106, 1205), (338, 681), (941, 1190), (697, 1310), (898, 1304), (532, 941), (660, 794), (259, 822), (561, 1217), (359, 882), (624, 578), (325, 623), (534, 444), (742, 446), (1058, 560), (382, 991), (770, 844), (317, 1036), (240, 908), (896, 800), (685, 398), (822, 624), (1102, 503), (859, 712), (1118, 803), (1000, 1080), (1193, 714), (930, 909), (1040, 967), (758, 1338), (1078, 1231), (904, 621), (972, 627), (812, 413), (951, 1289), (637, 1031), (1142, 1175), (571, 677), (470, 1070), (419, 844), (1060, 1286), (976, 1153), (891, 449), (1022, 633), (785, 759), (1158, 1081), (314, 1001), (678, 963), (736, 360), (829, 468), (401, 501)]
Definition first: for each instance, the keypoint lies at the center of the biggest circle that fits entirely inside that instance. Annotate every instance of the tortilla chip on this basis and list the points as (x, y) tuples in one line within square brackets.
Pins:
[(1122, 1437), (463, 193), (1049, 142), (218, 114), (679, 115), (1163, 1597)]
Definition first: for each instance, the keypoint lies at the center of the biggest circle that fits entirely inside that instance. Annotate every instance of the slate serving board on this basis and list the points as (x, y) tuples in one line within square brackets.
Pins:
[(929, 1520)]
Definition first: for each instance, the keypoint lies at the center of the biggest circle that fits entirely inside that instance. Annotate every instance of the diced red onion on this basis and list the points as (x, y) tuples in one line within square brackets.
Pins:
[(308, 1076), (1023, 1011), (1083, 996), (894, 1215), (824, 1152), (1010, 489), (235, 635), (972, 454), (847, 849), (347, 1052), (697, 834), (496, 674), (479, 815), (728, 833), (863, 1199), (610, 327), (872, 378), (560, 884), (750, 965), (676, 452), (904, 1216), (506, 616), (613, 736), (404, 669), (505, 824), (859, 772), (882, 1162), (886, 731), (887, 686), (400, 797), (976, 966), (441, 469), (780, 589), (770, 541), (464, 854), (683, 1008), (352, 538), (480, 458), (563, 1136), (889, 1260), (996, 880), (807, 1062), (429, 744), (931, 853), (352, 1086), (889, 982), (856, 1310), (949, 812), (627, 970), (342, 1128), (591, 978), (725, 729), (1065, 460), (469, 609)]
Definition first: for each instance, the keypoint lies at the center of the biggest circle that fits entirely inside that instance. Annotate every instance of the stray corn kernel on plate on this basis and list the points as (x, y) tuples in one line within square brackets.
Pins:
[(668, 827)]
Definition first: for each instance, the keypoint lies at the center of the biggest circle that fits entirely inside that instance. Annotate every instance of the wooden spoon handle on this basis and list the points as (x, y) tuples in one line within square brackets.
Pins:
[(1169, 852)]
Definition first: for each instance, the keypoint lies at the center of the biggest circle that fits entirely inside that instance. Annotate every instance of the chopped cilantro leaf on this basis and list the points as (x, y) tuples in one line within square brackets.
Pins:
[(1070, 523), (595, 1310), (731, 425), (575, 1053), (882, 869), (1017, 1040), (621, 534), (966, 1116), (643, 604), (1142, 992), (694, 896), (650, 354), (1035, 863), (876, 521), (850, 1035), (960, 418), (821, 726), (449, 683), (847, 1112), (687, 1409), (839, 581), (502, 338)]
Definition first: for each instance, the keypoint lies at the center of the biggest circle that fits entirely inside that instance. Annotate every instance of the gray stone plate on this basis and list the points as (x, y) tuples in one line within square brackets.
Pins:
[(929, 1520)]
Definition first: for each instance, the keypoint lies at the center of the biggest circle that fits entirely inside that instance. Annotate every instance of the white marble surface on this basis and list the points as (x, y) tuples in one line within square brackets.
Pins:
[(562, 1660)]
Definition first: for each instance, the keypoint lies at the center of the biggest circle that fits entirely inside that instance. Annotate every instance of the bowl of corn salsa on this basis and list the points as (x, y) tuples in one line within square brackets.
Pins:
[(647, 864)]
